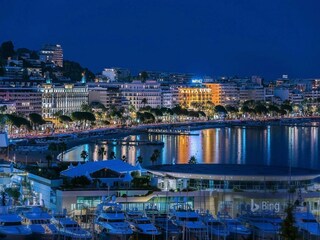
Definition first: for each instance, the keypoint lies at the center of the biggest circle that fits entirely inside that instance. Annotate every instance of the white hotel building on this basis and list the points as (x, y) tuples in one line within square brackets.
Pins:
[(136, 91), (67, 98)]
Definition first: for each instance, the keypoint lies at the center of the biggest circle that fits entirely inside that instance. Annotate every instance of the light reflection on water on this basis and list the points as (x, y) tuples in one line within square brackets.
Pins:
[(274, 145)]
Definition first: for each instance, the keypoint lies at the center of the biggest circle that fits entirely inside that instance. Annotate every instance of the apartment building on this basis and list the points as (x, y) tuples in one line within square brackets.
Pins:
[(141, 94), (257, 93), (108, 95), (224, 93), (52, 53), (189, 95), (26, 99)]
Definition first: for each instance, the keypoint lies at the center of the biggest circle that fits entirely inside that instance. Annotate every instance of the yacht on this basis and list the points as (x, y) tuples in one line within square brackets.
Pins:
[(152, 211), (110, 222), (236, 229), (68, 228), (262, 226), (216, 228), (11, 227), (189, 221), (166, 226), (142, 225), (39, 223), (307, 224)]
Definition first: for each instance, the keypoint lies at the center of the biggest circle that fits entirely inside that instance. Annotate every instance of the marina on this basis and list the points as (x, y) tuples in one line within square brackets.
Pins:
[(213, 202)]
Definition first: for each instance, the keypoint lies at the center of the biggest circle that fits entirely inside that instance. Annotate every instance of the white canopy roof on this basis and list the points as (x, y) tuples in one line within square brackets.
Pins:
[(91, 167)]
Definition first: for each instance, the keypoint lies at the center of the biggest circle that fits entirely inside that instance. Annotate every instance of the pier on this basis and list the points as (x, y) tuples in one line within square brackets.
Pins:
[(117, 142), (172, 132)]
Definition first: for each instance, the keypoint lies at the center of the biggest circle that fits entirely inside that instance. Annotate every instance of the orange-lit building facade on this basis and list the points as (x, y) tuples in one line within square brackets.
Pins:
[(187, 95), (224, 93)]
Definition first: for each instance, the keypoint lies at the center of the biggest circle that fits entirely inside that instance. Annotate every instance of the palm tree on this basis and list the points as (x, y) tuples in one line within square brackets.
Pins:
[(49, 160), (192, 160), (102, 152), (288, 229), (155, 155), (112, 155), (62, 147), (84, 154), (53, 148), (139, 159)]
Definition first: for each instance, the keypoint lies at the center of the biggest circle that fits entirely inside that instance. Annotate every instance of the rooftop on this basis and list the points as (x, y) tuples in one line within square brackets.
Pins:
[(234, 172), (91, 167)]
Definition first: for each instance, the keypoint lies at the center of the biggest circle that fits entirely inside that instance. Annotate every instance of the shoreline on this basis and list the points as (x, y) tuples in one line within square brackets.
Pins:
[(32, 153)]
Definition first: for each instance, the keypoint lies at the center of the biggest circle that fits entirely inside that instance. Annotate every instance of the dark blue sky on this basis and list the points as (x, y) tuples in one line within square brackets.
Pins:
[(214, 37)]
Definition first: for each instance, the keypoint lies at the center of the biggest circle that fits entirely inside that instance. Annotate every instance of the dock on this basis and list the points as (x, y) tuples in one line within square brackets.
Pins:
[(118, 142), (172, 132)]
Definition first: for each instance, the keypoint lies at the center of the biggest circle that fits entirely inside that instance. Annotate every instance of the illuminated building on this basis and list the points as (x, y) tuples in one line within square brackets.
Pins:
[(141, 94), (312, 95), (169, 96), (224, 93), (108, 95), (188, 95), (52, 53), (256, 93), (14, 69), (27, 99), (66, 98)]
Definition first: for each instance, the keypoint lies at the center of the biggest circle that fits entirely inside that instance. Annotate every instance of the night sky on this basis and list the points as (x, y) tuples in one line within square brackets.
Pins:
[(214, 37)]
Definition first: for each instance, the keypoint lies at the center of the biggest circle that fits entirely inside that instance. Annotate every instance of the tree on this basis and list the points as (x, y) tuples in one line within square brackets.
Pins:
[(74, 71), (49, 160), (58, 114), (261, 109), (13, 120), (53, 148), (144, 101), (97, 106), (3, 109), (86, 108), (84, 154), (64, 118), (193, 114), (112, 155), (220, 110), (139, 159), (36, 119), (145, 117), (6, 50), (273, 109), (286, 107), (62, 147), (102, 152), (83, 116), (192, 160), (231, 109), (143, 76), (13, 192), (155, 155), (288, 229)]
